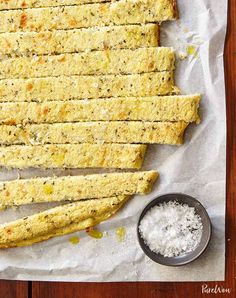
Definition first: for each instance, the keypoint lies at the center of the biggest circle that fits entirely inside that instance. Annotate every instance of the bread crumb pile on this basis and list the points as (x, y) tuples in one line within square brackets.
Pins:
[(171, 229)]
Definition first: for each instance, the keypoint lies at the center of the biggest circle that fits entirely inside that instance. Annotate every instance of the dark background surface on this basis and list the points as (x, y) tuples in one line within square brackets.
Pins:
[(14, 289)]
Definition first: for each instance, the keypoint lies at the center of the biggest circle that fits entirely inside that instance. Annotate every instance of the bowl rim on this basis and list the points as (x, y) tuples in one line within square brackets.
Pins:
[(155, 202)]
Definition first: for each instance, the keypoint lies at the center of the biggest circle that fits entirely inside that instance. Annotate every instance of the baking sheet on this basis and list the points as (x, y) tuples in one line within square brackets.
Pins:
[(197, 169)]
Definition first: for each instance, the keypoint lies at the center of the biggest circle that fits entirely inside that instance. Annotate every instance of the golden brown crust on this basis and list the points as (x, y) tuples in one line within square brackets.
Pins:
[(175, 8), (158, 35)]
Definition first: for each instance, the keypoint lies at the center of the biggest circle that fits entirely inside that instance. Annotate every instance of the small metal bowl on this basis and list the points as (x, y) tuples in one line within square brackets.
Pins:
[(206, 233)]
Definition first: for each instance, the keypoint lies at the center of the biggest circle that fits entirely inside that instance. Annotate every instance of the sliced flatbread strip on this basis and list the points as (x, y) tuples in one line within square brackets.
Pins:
[(121, 12), (79, 40), (80, 87), (16, 4), (59, 220), (74, 188), (73, 156), (162, 108), (122, 61), (74, 227), (127, 132)]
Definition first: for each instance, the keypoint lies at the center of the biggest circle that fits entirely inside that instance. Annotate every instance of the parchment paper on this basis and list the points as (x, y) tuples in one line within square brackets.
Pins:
[(197, 168)]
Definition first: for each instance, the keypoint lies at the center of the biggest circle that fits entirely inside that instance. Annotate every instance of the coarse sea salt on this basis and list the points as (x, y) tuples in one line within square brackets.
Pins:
[(171, 229)]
